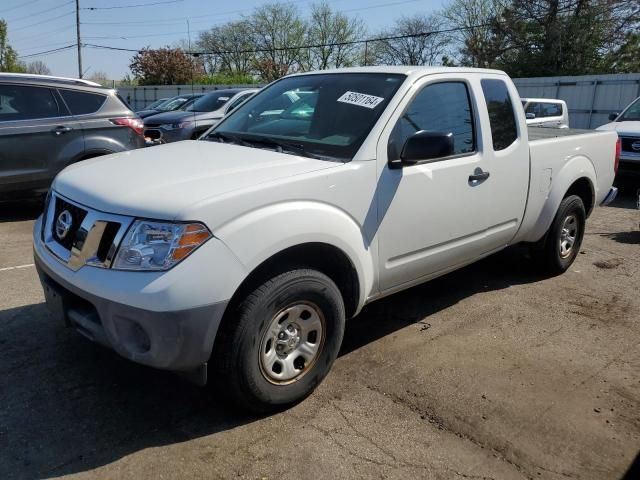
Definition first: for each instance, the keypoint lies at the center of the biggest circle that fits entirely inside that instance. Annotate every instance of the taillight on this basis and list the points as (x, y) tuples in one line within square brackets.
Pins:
[(134, 124), (616, 162)]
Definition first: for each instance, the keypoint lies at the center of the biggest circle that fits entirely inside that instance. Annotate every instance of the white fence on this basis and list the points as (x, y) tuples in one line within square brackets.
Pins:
[(590, 98), (139, 97)]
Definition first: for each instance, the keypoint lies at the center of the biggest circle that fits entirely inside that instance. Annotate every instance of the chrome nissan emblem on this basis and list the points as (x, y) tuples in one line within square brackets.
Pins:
[(636, 146), (63, 224)]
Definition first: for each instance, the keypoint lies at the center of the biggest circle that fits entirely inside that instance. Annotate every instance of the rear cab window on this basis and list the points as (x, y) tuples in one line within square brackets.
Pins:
[(82, 103), (544, 110), (502, 117), (25, 102)]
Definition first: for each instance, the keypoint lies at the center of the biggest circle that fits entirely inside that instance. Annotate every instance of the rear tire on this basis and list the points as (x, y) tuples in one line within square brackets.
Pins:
[(281, 341), (559, 247)]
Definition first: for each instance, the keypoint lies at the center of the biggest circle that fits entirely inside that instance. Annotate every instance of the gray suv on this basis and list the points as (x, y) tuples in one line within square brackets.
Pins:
[(47, 123)]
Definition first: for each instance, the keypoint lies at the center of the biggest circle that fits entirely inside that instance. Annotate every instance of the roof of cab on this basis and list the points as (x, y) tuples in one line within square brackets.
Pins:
[(408, 70)]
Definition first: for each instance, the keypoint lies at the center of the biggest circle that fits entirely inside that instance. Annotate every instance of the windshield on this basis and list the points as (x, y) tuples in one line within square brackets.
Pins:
[(173, 104), (210, 102), (632, 113), (320, 115), (156, 104)]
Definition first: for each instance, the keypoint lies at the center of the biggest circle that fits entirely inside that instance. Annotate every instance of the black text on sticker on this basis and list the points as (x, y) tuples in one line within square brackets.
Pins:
[(360, 99)]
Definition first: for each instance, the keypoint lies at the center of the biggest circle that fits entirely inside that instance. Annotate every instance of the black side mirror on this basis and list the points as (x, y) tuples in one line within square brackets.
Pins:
[(424, 145), (613, 116)]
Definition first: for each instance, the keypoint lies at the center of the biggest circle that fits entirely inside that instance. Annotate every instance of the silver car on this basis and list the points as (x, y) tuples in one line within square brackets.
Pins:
[(47, 123)]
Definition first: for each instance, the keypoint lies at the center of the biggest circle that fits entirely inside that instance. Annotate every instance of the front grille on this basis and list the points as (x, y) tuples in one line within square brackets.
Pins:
[(77, 215), (108, 237), (627, 142)]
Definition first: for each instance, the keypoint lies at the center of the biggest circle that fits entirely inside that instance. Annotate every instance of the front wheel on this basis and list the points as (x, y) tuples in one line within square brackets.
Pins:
[(560, 246), (282, 340)]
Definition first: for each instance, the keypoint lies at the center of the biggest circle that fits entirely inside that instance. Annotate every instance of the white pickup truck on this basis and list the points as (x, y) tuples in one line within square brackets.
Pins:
[(243, 253), (627, 126)]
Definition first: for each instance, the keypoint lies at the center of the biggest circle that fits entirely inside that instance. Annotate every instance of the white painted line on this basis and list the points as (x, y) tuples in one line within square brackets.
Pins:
[(18, 267)]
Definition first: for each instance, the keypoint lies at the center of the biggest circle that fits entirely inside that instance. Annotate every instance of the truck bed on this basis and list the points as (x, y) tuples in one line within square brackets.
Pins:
[(543, 133)]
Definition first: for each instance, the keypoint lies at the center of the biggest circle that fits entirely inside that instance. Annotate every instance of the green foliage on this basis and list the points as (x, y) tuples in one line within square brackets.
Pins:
[(8, 56), (226, 79)]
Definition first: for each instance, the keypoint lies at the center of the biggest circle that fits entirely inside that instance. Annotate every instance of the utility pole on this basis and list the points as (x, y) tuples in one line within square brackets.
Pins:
[(78, 38)]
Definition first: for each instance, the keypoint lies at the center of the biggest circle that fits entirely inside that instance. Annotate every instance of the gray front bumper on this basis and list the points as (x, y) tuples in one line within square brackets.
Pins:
[(177, 340)]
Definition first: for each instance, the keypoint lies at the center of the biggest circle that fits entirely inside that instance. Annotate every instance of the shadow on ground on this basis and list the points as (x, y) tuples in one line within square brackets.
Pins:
[(67, 406), (19, 211)]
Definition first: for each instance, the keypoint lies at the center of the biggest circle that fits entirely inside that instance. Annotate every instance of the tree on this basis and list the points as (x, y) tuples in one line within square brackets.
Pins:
[(564, 37), (163, 66), (278, 32), (422, 44), (99, 77), (479, 44), (232, 45), (8, 56), (626, 58), (38, 67), (331, 31)]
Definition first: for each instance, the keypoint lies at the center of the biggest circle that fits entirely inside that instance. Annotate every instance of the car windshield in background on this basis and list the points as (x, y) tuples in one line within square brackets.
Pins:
[(172, 104), (631, 114), (321, 115), (156, 104), (209, 102)]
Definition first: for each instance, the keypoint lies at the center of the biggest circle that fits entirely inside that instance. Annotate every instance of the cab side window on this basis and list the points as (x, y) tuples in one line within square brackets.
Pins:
[(439, 107), (502, 118), (21, 102)]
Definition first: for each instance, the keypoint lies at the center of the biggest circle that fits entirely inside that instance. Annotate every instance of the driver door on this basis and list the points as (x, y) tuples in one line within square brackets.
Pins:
[(431, 215)]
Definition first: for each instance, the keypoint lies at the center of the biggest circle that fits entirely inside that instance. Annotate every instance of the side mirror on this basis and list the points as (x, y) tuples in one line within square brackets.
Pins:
[(613, 116), (530, 116), (424, 145)]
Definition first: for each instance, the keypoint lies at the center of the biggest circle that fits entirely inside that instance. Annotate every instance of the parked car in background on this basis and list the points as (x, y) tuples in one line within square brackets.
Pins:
[(244, 255), (191, 122), (546, 112), (153, 105), (627, 125), (169, 104), (47, 123)]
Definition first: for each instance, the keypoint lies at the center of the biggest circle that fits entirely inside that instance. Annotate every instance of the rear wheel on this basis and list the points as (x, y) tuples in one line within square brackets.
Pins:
[(282, 341), (560, 246)]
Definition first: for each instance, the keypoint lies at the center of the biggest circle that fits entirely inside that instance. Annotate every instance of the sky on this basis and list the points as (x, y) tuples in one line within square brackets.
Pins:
[(37, 26)]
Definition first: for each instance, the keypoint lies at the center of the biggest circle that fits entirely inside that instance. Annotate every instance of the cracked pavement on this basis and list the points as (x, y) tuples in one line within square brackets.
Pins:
[(492, 372)]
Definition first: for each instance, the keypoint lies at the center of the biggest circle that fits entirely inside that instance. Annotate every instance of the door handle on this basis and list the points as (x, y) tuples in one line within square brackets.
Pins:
[(478, 177), (59, 130)]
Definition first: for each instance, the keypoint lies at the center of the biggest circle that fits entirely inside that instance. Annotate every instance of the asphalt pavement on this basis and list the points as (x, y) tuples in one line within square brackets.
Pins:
[(493, 371)]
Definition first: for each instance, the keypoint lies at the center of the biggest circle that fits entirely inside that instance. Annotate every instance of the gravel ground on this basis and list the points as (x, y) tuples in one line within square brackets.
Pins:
[(489, 372)]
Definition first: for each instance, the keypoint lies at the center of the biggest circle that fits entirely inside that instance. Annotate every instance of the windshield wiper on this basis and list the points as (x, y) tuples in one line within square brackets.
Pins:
[(281, 146)]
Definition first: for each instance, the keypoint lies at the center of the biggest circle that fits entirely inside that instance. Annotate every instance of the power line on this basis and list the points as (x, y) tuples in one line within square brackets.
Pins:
[(41, 22), (301, 47), (47, 52), (35, 14), (19, 6), (133, 6)]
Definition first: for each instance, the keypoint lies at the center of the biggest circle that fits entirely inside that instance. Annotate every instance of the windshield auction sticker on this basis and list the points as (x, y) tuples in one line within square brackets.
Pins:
[(360, 99)]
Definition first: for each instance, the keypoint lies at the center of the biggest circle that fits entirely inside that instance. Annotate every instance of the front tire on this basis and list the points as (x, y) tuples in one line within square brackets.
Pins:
[(282, 340), (560, 246)]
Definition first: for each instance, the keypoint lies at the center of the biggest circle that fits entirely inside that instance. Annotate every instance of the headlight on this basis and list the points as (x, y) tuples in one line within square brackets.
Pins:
[(152, 245), (177, 126)]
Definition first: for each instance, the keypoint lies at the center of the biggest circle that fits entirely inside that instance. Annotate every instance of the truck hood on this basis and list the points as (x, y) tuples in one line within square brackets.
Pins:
[(162, 182), (623, 128)]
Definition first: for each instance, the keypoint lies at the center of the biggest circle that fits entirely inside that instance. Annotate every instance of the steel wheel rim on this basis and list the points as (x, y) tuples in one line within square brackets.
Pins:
[(568, 235), (292, 343)]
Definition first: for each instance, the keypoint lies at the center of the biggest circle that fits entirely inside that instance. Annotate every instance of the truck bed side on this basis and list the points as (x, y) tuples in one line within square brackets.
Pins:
[(558, 159)]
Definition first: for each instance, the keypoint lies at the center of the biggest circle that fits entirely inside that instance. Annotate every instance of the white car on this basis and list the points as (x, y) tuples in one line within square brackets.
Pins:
[(546, 112), (627, 126), (244, 253)]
